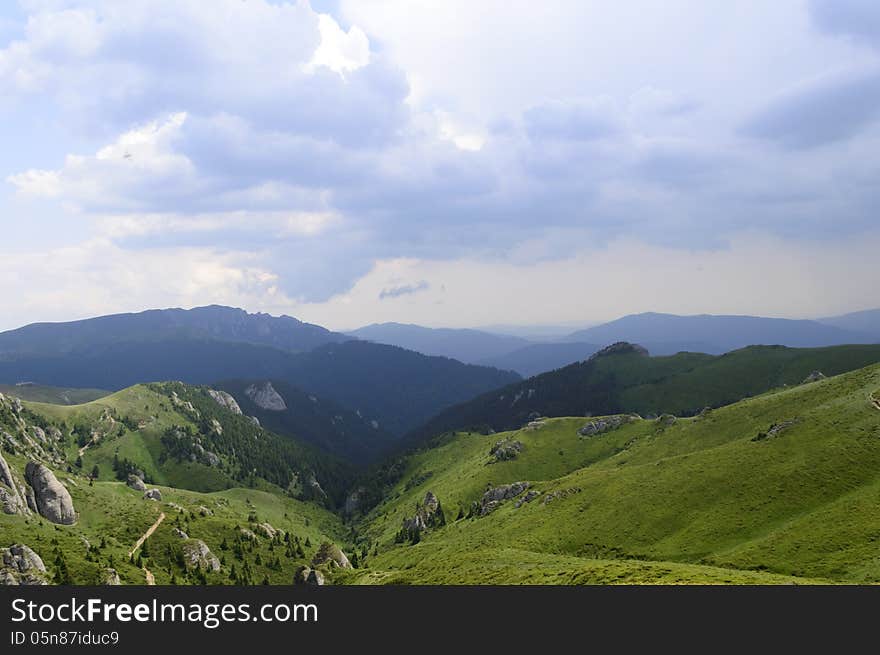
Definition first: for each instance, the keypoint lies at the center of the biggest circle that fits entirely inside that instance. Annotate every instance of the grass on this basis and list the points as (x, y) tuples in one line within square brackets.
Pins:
[(702, 492)]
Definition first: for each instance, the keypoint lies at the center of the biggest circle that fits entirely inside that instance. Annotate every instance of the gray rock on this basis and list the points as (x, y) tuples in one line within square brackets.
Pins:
[(225, 400), (331, 554), (265, 397), (197, 555), (606, 424), (110, 577), (315, 578), (180, 533), (136, 483), (51, 498), (505, 449), (494, 497), (815, 376), (21, 566), (153, 494), (529, 497), (12, 498)]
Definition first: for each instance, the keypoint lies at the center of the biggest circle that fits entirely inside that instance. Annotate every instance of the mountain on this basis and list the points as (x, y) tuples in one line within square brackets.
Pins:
[(541, 357), (780, 488), (866, 322), (624, 378), (397, 388), (287, 410), (470, 346), (666, 334), (206, 323), (52, 395)]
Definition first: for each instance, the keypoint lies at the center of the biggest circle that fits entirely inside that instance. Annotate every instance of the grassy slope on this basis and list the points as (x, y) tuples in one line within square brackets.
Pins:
[(700, 493), (120, 515), (682, 384)]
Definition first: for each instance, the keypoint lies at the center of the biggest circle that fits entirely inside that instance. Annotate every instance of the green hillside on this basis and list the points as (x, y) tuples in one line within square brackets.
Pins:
[(723, 490), (779, 488), (623, 378)]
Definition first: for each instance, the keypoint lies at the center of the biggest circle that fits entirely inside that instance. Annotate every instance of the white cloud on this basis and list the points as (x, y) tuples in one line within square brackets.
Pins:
[(340, 51)]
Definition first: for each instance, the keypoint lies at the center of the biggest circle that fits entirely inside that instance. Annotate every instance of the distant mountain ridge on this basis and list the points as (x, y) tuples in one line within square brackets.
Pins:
[(666, 334), (212, 322), (465, 345)]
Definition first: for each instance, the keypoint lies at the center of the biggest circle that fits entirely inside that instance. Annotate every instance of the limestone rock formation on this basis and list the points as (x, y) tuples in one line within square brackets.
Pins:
[(815, 376), (19, 565), (136, 483), (50, 497), (152, 494), (265, 397), (110, 577), (494, 497), (12, 496), (602, 425), (505, 449), (197, 555), (331, 554), (225, 400)]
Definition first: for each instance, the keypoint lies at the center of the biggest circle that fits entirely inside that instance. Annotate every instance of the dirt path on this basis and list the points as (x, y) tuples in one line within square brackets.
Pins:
[(146, 535), (150, 579)]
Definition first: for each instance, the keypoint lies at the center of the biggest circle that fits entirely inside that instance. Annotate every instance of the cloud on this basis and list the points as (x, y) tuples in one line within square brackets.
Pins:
[(857, 19), (823, 111), (405, 290), (570, 121)]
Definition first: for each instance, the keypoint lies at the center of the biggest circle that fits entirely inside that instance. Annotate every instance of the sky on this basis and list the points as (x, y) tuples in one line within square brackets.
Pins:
[(443, 162)]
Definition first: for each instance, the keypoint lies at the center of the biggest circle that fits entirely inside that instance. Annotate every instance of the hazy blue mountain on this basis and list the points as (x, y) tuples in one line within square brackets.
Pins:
[(397, 388), (541, 357), (667, 333), (465, 345), (866, 322), (213, 322)]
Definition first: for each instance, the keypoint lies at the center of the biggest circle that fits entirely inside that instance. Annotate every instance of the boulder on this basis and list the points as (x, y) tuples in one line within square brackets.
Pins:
[(152, 494), (197, 555), (225, 400), (136, 483), (51, 498), (180, 534), (606, 424), (331, 554), (110, 577), (267, 530)]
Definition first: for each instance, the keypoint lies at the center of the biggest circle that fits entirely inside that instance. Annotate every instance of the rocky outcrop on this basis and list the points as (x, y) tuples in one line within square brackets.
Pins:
[(110, 577), (529, 497), (152, 494), (197, 555), (267, 530), (265, 397), (316, 487), (225, 400), (353, 501), (12, 496), (331, 555), (815, 376), (305, 575), (180, 534), (505, 449), (665, 420), (559, 494), (429, 514), (136, 483), (21, 566), (494, 497), (775, 430), (50, 497), (606, 424)]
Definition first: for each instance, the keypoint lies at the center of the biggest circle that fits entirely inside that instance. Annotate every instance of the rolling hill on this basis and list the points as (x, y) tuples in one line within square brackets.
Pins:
[(865, 322), (778, 488), (623, 378)]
